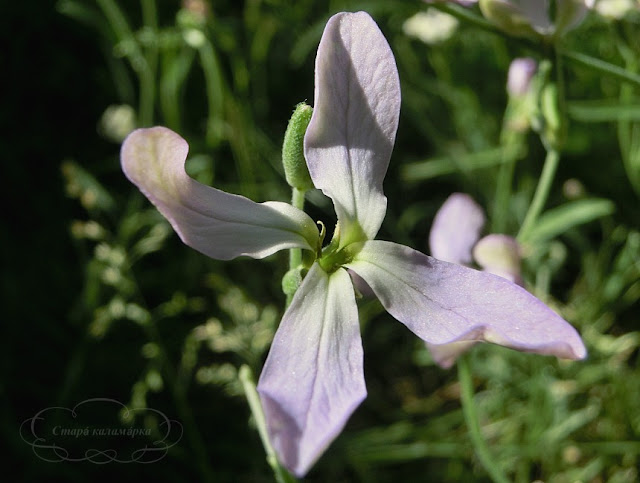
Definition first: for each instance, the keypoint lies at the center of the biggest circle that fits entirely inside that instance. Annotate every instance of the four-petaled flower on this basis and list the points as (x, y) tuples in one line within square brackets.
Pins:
[(313, 377)]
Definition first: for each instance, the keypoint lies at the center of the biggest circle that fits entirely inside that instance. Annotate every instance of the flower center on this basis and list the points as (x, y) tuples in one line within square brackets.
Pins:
[(330, 261), (332, 257)]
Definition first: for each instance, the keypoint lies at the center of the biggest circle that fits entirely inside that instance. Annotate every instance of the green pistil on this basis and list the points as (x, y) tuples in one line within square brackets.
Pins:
[(322, 234), (330, 261), (330, 257)]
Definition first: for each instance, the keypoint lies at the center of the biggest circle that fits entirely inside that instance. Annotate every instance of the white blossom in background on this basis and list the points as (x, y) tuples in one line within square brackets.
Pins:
[(616, 9), (431, 27)]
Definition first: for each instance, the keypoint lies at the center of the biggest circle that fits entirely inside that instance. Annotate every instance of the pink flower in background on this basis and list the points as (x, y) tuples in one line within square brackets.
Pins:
[(521, 71), (455, 237)]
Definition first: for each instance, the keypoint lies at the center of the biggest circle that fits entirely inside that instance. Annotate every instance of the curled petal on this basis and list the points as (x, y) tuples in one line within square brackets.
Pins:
[(218, 224), (456, 229), (445, 355), (350, 138), (443, 302), (313, 378)]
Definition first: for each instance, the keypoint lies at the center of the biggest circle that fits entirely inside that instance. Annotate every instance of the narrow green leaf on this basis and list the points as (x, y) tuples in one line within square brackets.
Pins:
[(433, 168), (606, 110), (558, 220)]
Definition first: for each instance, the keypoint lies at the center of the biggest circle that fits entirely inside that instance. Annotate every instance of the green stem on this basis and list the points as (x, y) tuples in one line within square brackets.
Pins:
[(295, 254), (136, 58), (147, 96), (541, 194), (512, 146), (471, 419), (249, 386), (503, 194), (562, 99), (215, 92), (627, 130)]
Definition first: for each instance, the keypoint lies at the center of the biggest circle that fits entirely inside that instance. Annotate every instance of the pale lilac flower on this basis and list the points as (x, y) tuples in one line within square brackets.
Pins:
[(456, 228), (455, 238), (313, 377)]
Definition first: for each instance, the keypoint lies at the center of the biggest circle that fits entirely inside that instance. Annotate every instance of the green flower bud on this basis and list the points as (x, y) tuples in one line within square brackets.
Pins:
[(292, 280), (295, 166)]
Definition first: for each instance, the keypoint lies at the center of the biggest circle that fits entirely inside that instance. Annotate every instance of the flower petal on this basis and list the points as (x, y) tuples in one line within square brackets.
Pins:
[(569, 14), (537, 12), (218, 224), (313, 378), (443, 302), (445, 355), (350, 138), (456, 229)]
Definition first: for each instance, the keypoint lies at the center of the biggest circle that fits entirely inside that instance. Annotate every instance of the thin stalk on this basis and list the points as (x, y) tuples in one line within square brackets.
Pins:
[(295, 254), (553, 156), (215, 92), (512, 148), (562, 99), (542, 193), (503, 194), (171, 83), (627, 130), (150, 20), (138, 61), (249, 386), (471, 419)]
